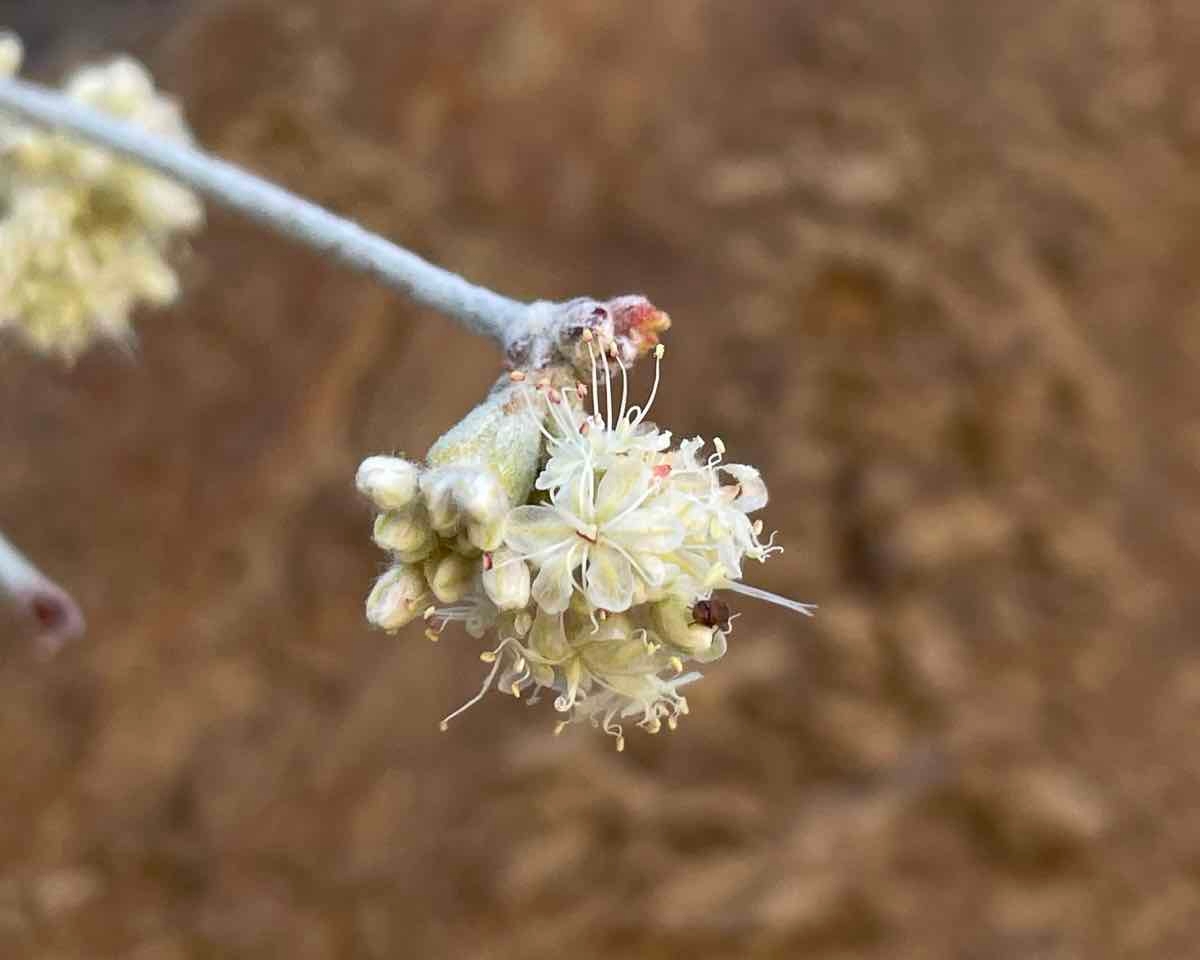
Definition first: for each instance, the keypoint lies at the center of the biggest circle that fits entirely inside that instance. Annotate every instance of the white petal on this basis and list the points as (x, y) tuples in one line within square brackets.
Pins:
[(620, 489), (609, 579), (548, 637), (753, 493), (553, 586), (532, 530), (646, 530)]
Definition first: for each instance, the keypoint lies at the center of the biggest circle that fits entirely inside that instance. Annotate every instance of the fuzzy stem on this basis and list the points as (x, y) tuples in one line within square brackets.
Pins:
[(38, 599), (479, 309)]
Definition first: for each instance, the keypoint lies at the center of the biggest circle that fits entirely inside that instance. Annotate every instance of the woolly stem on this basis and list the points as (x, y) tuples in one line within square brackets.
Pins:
[(38, 599), (479, 309)]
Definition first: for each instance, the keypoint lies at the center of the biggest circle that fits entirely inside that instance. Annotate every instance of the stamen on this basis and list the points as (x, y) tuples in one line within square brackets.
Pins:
[(517, 376), (607, 386), (624, 390), (759, 594), (658, 355), (487, 685)]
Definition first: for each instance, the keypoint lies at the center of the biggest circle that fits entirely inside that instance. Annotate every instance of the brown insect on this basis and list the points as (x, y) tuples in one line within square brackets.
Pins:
[(711, 613)]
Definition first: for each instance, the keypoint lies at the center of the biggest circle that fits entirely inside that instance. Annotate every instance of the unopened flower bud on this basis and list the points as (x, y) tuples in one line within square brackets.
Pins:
[(673, 622), (397, 598), (484, 505), (406, 533), (498, 435), (451, 576), (438, 490), (390, 483), (506, 580)]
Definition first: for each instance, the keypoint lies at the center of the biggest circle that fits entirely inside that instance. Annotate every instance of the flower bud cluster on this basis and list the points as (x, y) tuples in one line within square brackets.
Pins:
[(593, 566), (85, 235)]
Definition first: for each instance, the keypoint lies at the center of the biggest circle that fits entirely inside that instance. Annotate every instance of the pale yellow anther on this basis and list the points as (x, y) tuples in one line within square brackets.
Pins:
[(517, 376), (431, 635), (488, 656), (587, 336), (659, 350), (516, 690), (676, 664), (757, 528), (560, 727), (620, 744), (429, 612), (719, 446), (654, 726), (443, 726), (672, 723)]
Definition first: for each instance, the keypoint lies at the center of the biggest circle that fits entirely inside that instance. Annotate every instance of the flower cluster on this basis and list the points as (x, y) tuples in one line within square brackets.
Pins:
[(85, 235), (594, 568)]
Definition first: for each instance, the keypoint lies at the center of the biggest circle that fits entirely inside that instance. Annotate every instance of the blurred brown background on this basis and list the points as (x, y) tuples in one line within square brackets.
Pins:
[(933, 267)]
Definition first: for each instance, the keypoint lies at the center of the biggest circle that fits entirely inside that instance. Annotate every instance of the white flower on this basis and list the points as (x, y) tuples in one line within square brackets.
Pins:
[(85, 234), (607, 530), (628, 539)]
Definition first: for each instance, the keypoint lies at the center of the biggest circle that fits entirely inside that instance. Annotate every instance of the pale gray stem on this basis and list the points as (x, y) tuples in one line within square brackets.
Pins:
[(481, 310), (45, 606)]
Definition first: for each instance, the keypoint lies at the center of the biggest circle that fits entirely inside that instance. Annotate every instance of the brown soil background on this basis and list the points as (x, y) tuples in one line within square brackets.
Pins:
[(933, 267)]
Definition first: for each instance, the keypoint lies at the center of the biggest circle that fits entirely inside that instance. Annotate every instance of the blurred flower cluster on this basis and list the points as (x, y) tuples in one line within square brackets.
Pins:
[(561, 522), (85, 235)]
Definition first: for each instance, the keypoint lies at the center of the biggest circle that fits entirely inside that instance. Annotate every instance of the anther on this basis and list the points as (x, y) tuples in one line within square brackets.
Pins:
[(443, 726), (659, 350), (676, 664), (517, 376), (431, 636), (620, 743), (516, 690), (587, 335), (429, 613), (719, 445), (488, 656)]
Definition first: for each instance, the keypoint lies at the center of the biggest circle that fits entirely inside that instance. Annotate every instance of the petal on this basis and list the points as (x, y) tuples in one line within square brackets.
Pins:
[(532, 530), (647, 530), (752, 492), (553, 586), (548, 637), (620, 489), (609, 579)]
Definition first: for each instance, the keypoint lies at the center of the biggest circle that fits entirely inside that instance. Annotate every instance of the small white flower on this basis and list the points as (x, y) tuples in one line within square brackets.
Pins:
[(608, 531), (628, 538), (85, 234)]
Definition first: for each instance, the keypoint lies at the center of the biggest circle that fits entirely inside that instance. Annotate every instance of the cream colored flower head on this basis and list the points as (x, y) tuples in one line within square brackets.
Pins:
[(85, 236), (595, 573)]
